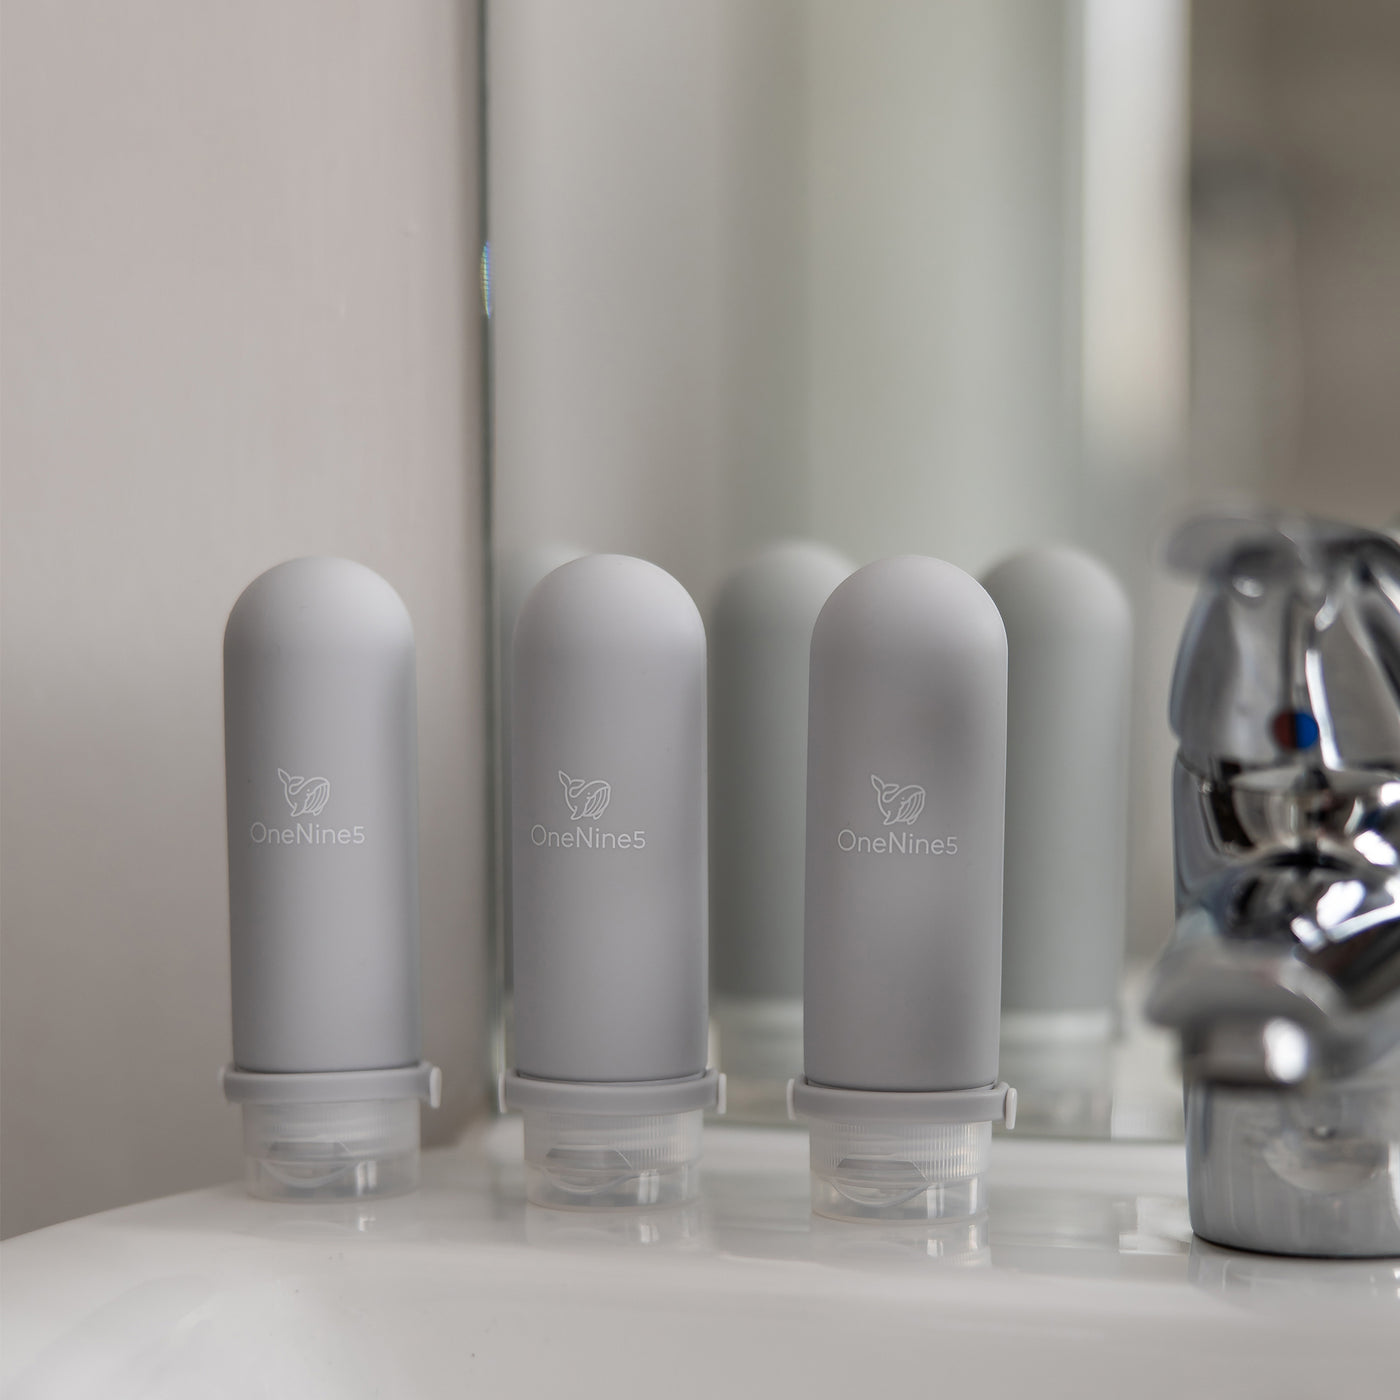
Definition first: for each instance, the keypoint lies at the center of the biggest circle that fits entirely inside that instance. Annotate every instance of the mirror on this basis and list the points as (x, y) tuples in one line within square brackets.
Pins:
[(793, 285)]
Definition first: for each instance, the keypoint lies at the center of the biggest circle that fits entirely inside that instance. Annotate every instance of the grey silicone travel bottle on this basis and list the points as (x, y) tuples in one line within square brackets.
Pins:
[(760, 630), (320, 730), (906, 778), (608, 832), (1069, 633)]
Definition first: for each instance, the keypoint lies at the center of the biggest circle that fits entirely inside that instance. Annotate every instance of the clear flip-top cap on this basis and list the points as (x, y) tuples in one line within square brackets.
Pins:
[(331, 1151), (890, 1156), (590, 1159), (899, 1171), (606, 1145), (332, 1136)]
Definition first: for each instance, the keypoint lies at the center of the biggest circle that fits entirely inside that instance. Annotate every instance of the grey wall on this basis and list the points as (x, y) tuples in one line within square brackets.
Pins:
[(240, 324), (1296, 253)]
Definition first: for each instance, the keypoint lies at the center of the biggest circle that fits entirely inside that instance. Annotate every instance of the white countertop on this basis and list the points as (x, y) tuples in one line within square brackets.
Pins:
[(1088, 1283)]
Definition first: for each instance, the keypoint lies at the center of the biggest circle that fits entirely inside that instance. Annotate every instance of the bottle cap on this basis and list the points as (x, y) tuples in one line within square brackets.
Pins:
[(335, 1136), (900, 1156), (589, 1145)]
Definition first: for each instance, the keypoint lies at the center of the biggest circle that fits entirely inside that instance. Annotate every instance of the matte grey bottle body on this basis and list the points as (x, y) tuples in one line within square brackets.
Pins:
[(760, 649), (905, 812), (1069, 634), (517, 574), (320, 717), (608, 782)]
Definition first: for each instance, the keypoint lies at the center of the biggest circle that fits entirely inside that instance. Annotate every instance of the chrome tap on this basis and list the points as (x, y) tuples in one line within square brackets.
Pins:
[(1283, 976)]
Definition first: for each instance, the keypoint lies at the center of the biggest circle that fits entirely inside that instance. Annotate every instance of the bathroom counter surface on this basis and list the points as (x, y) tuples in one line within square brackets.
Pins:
[(1086, 1282)]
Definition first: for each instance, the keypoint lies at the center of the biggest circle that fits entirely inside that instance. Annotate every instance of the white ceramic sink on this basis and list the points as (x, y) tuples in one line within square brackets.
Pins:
[(1088, 1283)]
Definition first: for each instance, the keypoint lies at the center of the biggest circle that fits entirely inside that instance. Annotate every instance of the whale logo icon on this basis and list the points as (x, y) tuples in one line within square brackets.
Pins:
[(898, 805), (587, 799), (307, 797)]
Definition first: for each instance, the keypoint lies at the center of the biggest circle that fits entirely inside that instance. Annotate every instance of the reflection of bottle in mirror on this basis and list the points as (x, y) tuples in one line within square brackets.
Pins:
[(1069, 636), (905, 795), (320, 721), (760, 650), (608, 776)]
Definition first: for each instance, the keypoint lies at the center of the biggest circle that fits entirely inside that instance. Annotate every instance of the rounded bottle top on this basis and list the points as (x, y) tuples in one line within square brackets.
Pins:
[(1057, 589), (517, 575), (606, 604), (318, 604), (783, 585), (911, 606)]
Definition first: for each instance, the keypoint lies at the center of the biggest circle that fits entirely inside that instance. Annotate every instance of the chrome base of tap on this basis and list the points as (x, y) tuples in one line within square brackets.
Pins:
[(1312, 1172)]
